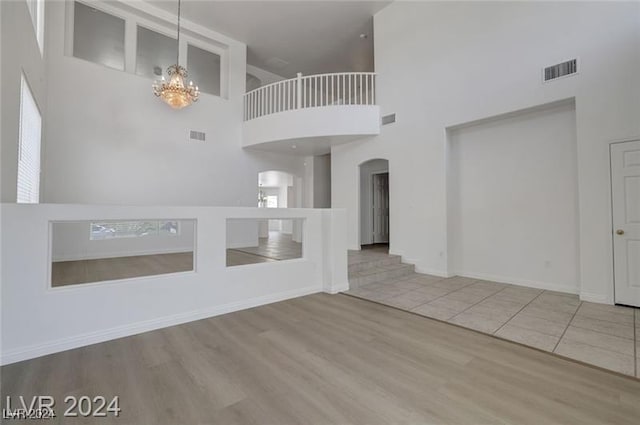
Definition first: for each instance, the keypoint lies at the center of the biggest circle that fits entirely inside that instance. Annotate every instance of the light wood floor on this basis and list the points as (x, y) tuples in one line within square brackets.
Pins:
[(277, 247), (86, 271), (328, 359)]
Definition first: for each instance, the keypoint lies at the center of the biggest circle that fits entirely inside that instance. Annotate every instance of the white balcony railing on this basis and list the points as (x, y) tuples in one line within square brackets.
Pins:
[(312, 91)]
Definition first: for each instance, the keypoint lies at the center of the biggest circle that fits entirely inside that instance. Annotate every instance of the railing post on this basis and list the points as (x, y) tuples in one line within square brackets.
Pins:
[(299, 90)]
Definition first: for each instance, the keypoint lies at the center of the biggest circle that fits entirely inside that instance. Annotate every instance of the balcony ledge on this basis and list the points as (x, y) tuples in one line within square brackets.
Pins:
[(311, 131)]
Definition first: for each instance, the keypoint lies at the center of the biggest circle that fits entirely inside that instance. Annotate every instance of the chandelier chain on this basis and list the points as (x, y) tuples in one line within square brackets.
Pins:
[(175, 92), (178, 38)]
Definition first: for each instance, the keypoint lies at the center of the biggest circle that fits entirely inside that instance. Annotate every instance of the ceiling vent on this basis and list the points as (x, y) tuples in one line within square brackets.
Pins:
[(198, 136), (560, 70), (388, 119)]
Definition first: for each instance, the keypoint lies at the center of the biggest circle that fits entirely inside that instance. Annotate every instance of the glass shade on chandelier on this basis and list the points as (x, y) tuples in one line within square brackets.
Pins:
[(175, 92)]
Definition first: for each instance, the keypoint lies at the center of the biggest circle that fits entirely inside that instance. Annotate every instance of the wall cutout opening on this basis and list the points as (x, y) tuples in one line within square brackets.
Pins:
[(252, 240), (105, 250), (513, 198), (374, 204)]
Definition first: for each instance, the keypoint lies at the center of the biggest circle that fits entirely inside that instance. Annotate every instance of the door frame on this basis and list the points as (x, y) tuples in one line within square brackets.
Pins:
[(372, 190), (612, 215)]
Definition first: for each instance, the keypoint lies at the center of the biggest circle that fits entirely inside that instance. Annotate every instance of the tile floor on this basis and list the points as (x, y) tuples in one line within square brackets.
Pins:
[(603, 335)]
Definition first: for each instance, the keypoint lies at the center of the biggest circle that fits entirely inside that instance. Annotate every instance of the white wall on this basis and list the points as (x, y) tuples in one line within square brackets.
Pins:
[(366, 202), (111, 141), (20, 53), (78, 315), (308, 197), (322, 181), (242, 233), (445, 64), (513, 197), (263, 75), (70, 241)]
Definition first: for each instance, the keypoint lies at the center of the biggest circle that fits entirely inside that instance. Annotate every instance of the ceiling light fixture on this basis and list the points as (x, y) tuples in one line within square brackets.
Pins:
[(175, 92)]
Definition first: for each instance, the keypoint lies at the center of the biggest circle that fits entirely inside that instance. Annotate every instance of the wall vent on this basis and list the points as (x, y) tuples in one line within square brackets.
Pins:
[(388, 119), (197, 135), (559, 70)]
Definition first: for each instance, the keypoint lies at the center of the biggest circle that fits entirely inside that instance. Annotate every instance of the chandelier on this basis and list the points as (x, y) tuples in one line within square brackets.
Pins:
[(175, 92), (262, 198)]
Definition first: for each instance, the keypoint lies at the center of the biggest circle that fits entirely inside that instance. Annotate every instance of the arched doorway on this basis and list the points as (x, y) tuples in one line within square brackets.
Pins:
[(374, 203), (279, 189)]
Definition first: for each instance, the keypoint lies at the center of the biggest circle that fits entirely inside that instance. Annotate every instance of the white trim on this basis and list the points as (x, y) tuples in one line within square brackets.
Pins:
[(594, 297), (433, 272), (521, 282), (335, 289), (30, 352), (372, 190)]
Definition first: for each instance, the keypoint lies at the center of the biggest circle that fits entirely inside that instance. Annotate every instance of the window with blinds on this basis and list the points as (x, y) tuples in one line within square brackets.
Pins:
[(36, 10), (133, 229), (28, 147)]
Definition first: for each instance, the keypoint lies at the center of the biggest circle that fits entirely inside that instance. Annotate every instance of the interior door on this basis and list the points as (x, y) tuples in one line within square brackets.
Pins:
[(381, 208), (625, 185)]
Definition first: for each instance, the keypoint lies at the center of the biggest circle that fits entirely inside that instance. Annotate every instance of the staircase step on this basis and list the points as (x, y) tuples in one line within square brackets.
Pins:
[(380, 274), (364, 263)]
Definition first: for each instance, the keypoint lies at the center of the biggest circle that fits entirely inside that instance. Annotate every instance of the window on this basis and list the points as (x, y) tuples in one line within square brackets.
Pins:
[(155, 53), (98, 36), (133, 229), (204, 68), (102, 35), (36, 10), (272, 201), (28, 147)]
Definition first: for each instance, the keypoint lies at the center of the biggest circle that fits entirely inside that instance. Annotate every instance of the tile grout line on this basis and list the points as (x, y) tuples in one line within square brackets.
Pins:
[(444, 295), (567, 327), (518, 312), (475, 304), (419, 305)]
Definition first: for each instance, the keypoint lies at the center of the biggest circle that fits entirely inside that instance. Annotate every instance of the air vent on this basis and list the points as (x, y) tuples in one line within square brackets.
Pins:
[(563, 69), (197, 135), (388, 119)]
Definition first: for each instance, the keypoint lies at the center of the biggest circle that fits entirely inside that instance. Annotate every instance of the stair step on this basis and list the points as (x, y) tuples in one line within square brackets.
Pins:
[(380, 274), (372, 262)]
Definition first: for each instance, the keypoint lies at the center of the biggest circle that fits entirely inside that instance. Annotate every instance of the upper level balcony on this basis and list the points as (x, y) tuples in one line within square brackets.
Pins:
[(309, 114)]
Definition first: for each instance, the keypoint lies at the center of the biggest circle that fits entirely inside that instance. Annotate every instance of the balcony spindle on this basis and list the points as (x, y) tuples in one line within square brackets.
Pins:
[(347, 88)]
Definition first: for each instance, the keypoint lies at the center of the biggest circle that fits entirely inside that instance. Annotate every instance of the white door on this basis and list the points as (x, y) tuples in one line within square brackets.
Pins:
[(381, 208), (625, 181)]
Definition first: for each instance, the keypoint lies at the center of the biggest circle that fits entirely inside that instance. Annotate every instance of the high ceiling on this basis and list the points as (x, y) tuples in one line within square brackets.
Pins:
[(286, 37)]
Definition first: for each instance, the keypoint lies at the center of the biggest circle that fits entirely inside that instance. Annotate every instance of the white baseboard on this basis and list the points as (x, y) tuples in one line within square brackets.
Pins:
[(237, 245), (335, 289), (520, 282), (423, 270), (594, 297), (50, 347), (118, 254), (434, 272)]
